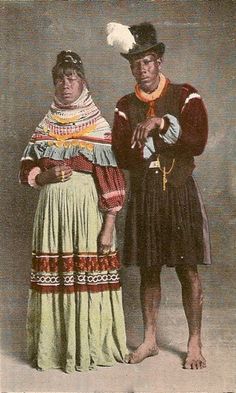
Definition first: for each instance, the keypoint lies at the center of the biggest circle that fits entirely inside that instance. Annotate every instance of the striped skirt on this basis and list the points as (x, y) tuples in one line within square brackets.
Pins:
[(75, 316)]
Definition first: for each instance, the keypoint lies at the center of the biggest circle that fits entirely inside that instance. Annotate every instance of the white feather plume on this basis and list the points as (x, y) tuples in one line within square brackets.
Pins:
[(120, 37)]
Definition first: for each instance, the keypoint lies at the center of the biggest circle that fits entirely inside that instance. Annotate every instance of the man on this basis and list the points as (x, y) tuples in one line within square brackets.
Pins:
[(157, 131)]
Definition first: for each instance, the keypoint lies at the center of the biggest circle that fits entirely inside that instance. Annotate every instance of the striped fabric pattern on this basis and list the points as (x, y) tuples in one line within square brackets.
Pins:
[(83, 120)]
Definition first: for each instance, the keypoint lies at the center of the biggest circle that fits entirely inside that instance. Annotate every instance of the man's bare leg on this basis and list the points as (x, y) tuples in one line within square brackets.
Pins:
[(150, 301), (192, 302)]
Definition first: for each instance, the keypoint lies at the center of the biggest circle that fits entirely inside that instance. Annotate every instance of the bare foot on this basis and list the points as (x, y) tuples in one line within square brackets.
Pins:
[(194, 359), (142, 352)]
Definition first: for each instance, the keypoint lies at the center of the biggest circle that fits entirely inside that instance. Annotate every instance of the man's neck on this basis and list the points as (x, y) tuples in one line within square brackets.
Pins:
[(154, 92), (152, 88)]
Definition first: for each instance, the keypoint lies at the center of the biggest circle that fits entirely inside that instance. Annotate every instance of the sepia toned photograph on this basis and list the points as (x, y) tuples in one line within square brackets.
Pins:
[(118, 196)]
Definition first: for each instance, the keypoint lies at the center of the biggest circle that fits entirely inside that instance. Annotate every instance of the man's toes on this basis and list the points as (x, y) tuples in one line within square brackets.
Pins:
[(132, 359), (187, 365), (190, 364), (202, 363), (127, 358), (141, 353), (194, 365), (199, 364)]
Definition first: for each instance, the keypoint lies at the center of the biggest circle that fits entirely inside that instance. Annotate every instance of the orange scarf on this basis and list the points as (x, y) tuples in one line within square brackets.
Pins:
[(152, 97)]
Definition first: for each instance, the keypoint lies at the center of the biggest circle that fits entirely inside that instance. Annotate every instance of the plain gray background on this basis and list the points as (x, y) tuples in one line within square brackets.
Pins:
[(200, 50)]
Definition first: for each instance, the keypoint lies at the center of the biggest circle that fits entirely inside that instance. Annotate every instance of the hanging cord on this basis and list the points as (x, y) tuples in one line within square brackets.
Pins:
[(164, 171)]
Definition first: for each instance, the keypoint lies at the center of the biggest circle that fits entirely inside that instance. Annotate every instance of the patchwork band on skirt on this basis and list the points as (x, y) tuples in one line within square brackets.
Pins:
[(75, 316)]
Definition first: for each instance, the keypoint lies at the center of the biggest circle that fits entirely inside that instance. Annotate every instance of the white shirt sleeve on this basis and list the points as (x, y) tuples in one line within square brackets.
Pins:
[(173, 132)]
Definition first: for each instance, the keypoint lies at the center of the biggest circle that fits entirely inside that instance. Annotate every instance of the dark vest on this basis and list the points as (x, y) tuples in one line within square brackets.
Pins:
[(184, 161)]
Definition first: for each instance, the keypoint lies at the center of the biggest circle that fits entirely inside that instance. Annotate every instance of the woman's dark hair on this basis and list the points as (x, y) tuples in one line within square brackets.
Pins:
[(68, 60)]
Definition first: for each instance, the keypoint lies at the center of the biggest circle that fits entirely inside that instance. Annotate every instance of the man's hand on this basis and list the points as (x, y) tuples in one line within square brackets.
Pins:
[(143, 130), (59, 173)]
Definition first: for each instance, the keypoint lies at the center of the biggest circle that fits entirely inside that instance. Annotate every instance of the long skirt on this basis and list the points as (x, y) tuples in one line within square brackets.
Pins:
[(165, 227), (75, 316)]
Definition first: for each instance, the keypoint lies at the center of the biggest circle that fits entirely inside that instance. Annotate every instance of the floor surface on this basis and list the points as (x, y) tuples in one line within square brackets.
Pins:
[(160, 374)]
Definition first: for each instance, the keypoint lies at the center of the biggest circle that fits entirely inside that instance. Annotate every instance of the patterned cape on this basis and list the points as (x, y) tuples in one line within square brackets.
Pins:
[(69, 131)]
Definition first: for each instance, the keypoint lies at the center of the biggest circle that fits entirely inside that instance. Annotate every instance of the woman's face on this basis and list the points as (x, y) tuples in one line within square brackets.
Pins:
[(68, 86)]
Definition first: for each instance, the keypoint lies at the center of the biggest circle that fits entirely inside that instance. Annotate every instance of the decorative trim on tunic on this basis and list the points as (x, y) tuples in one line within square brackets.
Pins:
[(32, 177), (122, 114), (190, 97)]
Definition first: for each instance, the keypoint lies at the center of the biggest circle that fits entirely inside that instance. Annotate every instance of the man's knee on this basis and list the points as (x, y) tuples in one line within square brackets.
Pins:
[(190, 282), (150, 277), (188, 275)]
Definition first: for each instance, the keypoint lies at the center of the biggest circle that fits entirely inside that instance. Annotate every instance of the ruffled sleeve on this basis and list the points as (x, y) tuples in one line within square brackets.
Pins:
[(29, 161), (111, 187)]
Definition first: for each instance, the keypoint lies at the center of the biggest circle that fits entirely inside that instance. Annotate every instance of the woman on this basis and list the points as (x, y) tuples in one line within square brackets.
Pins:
[(75, 316)]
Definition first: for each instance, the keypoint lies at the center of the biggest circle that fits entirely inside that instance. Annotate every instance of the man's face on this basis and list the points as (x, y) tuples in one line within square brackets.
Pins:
[(145, 70), (68, 87)]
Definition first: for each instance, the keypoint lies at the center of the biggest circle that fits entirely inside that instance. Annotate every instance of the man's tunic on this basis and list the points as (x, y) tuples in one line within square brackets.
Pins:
[(166, 222)]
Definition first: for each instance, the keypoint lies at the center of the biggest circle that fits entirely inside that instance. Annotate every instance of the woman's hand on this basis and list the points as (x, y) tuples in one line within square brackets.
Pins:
[(57, 174), (143, 130), (105, 242), (105, 239)]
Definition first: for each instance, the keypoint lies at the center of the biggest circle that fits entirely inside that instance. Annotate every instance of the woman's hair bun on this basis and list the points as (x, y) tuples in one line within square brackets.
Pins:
[(68, 57)]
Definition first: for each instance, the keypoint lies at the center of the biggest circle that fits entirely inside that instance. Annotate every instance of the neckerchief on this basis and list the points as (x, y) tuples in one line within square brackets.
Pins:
[(152, 97)]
